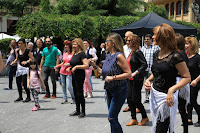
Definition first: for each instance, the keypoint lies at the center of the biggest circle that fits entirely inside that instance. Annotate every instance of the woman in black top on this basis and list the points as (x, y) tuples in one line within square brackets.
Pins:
[(192, 48), (78, 64), (138, 64), (24, 56), (184, 93), (167, 63)]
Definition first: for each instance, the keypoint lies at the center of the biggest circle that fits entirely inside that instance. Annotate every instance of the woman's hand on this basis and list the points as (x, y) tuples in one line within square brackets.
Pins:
[(66, 64), (170, 97), (92, 63), (193, 83), (68, 69), (44, 87), (74, 69), (24, 62), (147, 85), (133, 75), (108, 79)]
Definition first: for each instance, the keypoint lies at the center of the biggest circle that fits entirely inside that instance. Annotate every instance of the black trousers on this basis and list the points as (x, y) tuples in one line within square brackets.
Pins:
[(163, 127), (193, 102), (22, 80), (50, 72), (11, 73), (183, 113), (77, 82), (134, 98)]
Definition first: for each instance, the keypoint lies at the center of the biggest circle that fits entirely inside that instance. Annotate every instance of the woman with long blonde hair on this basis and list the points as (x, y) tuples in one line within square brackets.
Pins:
[(78, 64)]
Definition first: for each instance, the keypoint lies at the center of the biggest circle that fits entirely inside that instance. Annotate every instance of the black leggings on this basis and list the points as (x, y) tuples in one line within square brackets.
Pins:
[(193, 102), (77, 83), (22, 80), (134, 98), (162, 127), (183, 113)]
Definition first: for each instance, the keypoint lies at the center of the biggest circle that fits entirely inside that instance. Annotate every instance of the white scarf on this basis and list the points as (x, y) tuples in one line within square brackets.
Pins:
[(160, 110), (21, 70), (184, 92)]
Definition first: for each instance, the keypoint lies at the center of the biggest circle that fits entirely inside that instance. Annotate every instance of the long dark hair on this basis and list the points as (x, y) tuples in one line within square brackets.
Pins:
[(34, 62)]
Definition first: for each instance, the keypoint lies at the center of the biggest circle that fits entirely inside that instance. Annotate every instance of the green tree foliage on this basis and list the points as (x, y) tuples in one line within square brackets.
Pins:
[(194, 25), (60, 26), (18, 7), (160, 10), (45, 6), (110, 7), (4, 45)]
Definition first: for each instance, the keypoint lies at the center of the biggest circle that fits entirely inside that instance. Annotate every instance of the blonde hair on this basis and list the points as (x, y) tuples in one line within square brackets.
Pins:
[(79, 42), (165, 36), (117, 40), (194, 44)]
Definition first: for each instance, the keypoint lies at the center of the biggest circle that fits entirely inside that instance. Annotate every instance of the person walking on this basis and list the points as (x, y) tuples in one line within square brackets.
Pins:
[(137, 64), (65, 72), (78, 64), (90, 55), (34, 82), (116, 71), (167, 63), (50, 58), (184, 93), (12, 68), (24, 57), (148, 50), (191, 47)]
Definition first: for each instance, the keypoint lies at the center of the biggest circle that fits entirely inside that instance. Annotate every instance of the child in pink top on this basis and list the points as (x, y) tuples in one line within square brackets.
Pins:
[(65, 72), (34, 81)]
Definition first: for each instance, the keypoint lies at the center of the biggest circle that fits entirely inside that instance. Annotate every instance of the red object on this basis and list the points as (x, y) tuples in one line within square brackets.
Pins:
[(115, 77)]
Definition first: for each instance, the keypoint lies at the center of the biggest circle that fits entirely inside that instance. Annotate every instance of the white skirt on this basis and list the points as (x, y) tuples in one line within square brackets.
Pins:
[(160, 110)]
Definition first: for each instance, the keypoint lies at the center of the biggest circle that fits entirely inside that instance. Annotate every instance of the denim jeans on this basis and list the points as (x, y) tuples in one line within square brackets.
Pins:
[(116, 97), (11, 73), (50, 72), (67, 83), (91, 83)]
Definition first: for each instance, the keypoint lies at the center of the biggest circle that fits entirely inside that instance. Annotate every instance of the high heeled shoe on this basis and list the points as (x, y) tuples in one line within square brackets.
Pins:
[(132, 122), (143, 121)]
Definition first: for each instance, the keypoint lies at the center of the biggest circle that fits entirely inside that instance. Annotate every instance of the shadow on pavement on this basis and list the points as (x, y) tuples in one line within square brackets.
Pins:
[(47, 109), (97, 115), (4, 102)]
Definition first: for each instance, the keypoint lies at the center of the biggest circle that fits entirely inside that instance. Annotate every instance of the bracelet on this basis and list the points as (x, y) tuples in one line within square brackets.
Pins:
[(115, 77)]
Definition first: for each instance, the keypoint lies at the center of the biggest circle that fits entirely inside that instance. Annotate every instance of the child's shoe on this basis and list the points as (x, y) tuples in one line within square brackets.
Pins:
[(35, 108)]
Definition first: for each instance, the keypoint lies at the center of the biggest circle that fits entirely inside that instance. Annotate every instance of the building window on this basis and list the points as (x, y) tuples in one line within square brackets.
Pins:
[(172, 9), (178, 8), (185, 5), (167, 7)]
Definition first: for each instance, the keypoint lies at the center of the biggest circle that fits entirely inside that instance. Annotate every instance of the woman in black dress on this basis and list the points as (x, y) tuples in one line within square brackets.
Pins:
[(24, 57), (167, 63), (78, 64), (192, 48)]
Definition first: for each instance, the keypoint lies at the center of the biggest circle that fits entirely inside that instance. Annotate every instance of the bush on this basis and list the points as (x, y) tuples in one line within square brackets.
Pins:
[(4, 46), (194, 25)]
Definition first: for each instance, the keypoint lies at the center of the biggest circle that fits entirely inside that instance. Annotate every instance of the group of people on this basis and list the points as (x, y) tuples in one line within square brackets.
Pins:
[(168, 66)]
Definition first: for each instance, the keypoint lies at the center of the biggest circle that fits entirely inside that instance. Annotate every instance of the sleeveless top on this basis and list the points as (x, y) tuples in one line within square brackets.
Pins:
[(23, 57), (111, 68)]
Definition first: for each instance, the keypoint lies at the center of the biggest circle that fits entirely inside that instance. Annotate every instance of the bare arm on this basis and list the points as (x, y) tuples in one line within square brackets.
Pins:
[(15, 61), (195, 81), (41, 63), (28, 80), (28, 61), (41, 80), (84, 66), (184, 72), (147, 84), (121, 61)]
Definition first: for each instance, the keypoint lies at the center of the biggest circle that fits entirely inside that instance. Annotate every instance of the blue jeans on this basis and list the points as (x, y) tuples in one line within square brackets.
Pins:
[(116, 97), (67, 83), (91, 83)]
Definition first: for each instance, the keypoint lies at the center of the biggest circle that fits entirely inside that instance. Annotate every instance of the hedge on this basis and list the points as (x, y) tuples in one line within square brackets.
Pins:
[(4, 46)]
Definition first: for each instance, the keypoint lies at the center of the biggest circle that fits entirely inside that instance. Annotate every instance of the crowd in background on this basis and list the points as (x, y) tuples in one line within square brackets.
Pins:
[(168, 65)]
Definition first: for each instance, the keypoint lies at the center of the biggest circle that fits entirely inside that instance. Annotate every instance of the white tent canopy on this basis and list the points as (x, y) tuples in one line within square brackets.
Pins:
[(3, 36)]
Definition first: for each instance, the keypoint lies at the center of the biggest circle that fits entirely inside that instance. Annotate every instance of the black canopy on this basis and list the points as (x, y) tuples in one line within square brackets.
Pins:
[(146, 24)]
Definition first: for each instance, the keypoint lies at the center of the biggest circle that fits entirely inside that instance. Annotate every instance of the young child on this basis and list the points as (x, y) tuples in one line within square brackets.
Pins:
[(34, 82)]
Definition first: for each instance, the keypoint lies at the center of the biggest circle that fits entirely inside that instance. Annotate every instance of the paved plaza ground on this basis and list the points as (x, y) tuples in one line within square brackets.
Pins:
[(53, 117)]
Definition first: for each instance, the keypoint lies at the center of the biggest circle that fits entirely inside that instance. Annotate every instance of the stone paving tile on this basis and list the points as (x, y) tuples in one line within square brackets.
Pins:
[(53, 117)]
